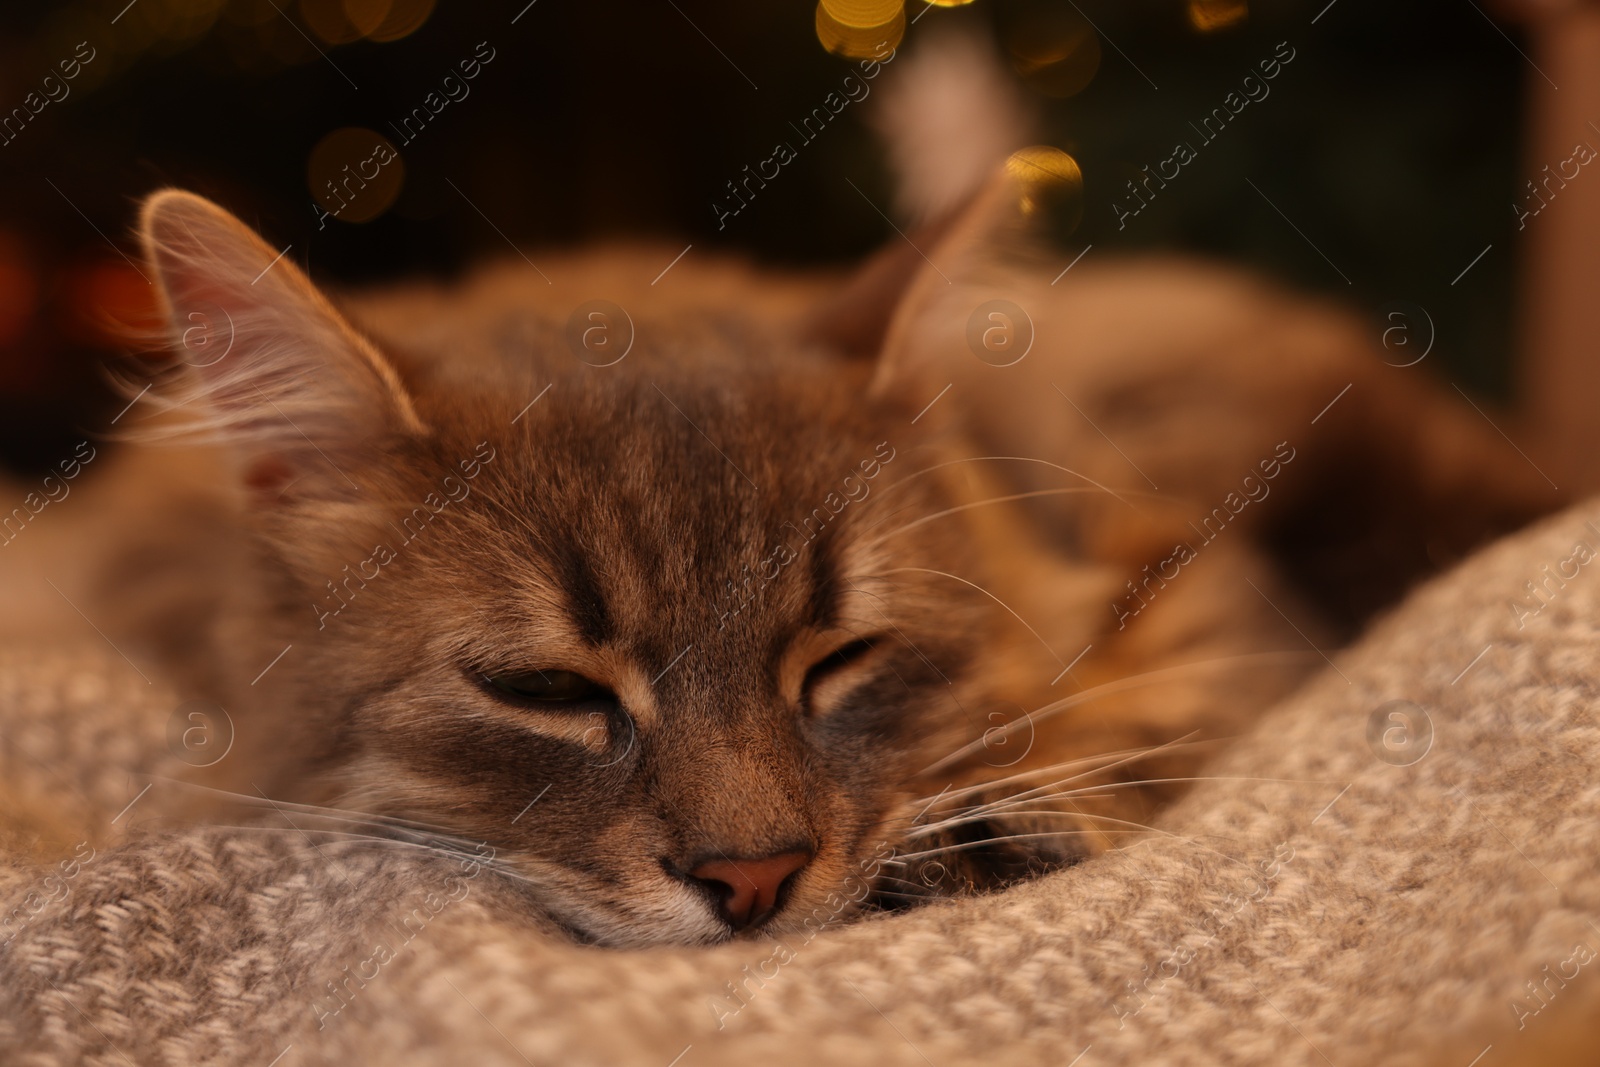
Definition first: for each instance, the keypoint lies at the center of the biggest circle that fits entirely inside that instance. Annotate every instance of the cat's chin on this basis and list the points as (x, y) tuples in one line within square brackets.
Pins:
[(651, 918), (797, 921), (627, 931), (796, 924)]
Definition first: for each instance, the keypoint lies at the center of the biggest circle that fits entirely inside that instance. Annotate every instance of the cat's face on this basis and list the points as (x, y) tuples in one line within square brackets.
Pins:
[(670, 642), (682, 686)]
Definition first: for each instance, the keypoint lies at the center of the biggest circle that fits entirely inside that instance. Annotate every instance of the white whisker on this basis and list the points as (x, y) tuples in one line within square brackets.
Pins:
[(985, 592), (1102, 761), (881, 538), (348, 838), (961, 846), (1021, 801), (983, 815), (1114, 494), (1049, 788), (263, 803), (1144, 828), (1105, 689)]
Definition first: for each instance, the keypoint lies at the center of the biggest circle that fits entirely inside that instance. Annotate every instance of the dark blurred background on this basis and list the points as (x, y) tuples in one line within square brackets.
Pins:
[(1391, 141)]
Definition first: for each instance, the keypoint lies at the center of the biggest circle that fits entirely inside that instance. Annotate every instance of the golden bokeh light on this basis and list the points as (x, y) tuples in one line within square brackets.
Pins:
[(1054, 50), (327, 21), (182, 20), (863, 14), (949, 3), (1047, 177), (1209, 15), (404, 18), (859, 42), (365, 16), (356, 174), (343, 21)]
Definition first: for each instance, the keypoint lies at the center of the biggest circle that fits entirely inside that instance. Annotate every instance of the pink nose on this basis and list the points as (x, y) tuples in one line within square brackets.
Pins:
[(749, 888)]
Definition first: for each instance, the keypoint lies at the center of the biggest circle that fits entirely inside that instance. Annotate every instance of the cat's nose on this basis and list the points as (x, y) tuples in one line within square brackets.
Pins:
[(748, 889)]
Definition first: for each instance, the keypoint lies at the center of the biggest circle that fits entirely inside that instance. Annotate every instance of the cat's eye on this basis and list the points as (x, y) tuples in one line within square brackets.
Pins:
[(834, 665), (548, 689)]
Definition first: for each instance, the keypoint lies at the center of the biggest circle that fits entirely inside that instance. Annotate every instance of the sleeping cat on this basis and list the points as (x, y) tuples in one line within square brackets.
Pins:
[(703, 632), (674, 636)]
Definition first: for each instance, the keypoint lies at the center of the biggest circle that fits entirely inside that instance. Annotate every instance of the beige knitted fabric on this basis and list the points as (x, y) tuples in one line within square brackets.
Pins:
[(1314, 904)]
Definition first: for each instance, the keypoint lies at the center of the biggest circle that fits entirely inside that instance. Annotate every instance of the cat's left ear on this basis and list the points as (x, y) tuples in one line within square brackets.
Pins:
[(280, 375)]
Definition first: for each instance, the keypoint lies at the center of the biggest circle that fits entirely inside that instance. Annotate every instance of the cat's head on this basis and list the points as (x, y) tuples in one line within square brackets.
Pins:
[(668, 635)]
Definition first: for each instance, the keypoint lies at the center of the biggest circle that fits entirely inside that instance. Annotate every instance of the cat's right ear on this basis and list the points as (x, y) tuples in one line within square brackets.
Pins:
[(277, 374), (897, 308)]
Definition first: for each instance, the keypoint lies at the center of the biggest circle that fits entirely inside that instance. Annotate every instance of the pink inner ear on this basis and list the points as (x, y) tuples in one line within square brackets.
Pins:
[(266, 478), (207, 259)]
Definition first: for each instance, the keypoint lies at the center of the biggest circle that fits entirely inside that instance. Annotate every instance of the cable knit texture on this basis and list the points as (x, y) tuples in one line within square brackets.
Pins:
[(1312, 904)]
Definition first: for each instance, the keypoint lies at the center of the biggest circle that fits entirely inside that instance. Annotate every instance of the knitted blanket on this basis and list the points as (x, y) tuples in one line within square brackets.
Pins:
[(1398, 865)]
